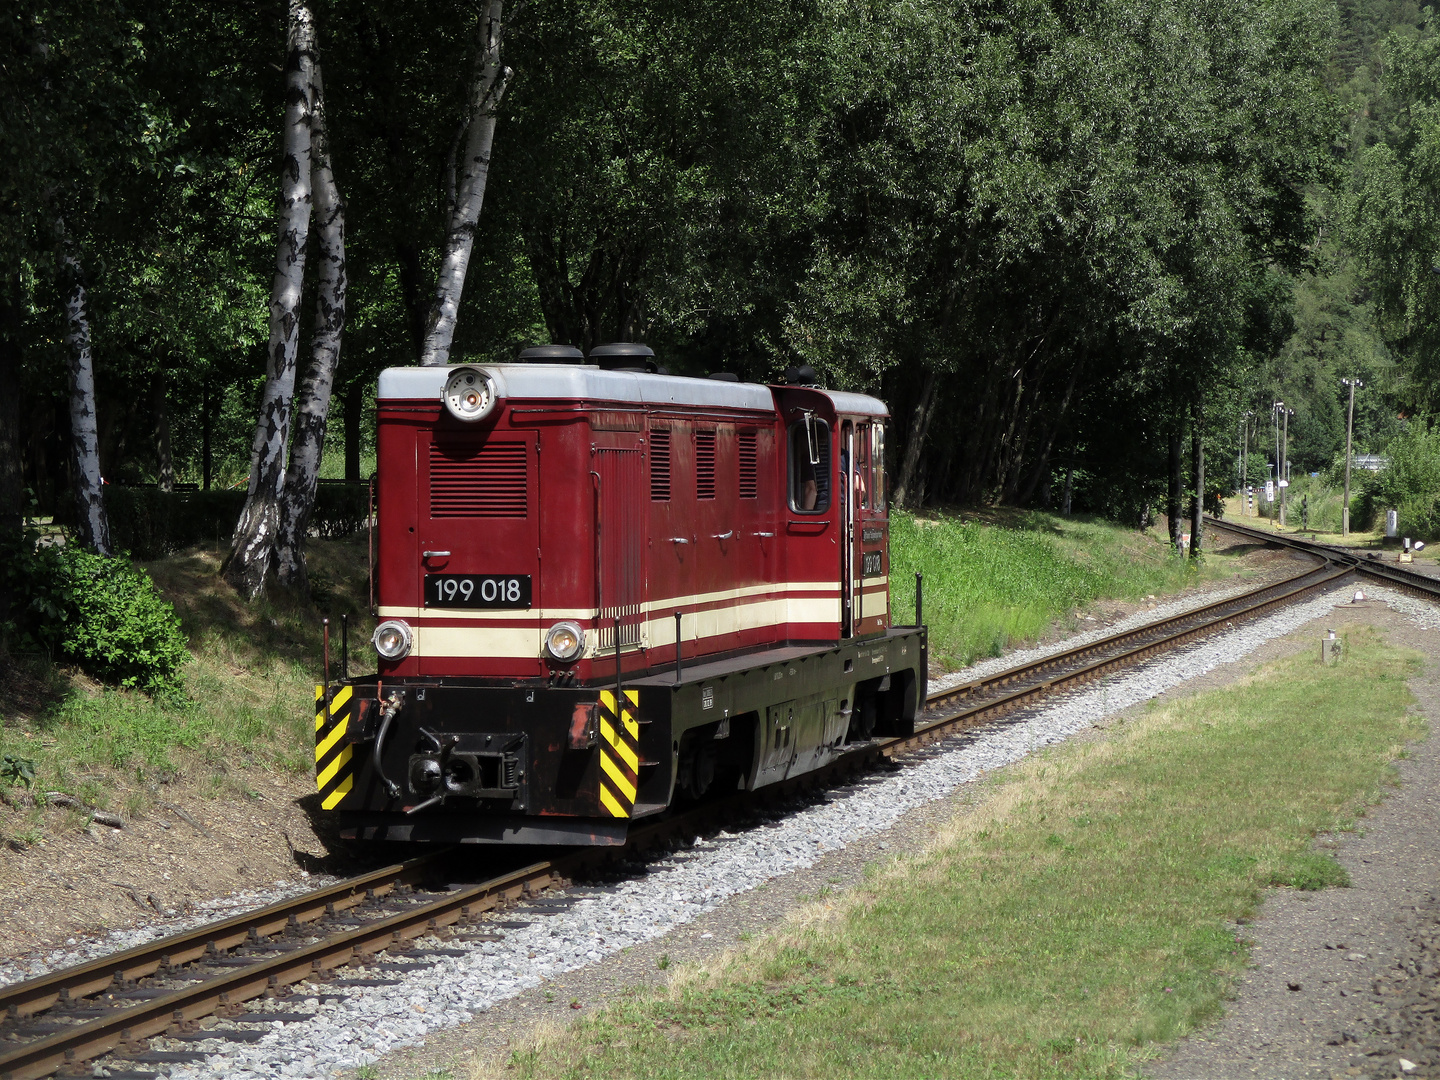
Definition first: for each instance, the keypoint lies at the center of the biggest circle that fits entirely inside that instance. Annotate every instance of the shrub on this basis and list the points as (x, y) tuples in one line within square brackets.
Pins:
[(102, 613), (1410, 484)]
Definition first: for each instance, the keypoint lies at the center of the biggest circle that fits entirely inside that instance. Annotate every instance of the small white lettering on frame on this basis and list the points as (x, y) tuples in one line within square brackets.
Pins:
[(707, 697)]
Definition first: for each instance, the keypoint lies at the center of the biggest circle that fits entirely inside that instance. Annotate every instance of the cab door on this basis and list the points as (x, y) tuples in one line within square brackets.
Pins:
[(872, 527), (849, 511), (620, 554), (864, 571)]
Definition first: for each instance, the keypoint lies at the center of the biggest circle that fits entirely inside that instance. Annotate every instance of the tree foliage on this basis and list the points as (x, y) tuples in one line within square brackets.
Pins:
[(1056, 237)]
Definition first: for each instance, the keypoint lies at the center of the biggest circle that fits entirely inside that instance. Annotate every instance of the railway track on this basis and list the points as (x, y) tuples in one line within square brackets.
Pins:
[(1368, 564), (110, 1007)]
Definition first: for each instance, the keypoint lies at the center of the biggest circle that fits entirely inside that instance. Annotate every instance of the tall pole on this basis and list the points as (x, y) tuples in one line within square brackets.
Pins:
[(1275, 423), (1349, 431), (1240, 460), (1279, 508), (1285, 462), (1245, 428)]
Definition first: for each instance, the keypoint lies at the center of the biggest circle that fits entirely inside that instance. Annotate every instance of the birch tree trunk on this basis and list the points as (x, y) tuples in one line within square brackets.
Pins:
[(486, 92), (92, 526), (252, 549), (297, 500), (919, 426)]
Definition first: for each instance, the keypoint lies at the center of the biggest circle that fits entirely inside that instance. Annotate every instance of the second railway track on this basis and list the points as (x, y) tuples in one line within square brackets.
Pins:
[(110, 1006)]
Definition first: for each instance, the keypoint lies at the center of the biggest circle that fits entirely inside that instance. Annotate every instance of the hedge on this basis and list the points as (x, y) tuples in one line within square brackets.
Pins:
[(150, 523)]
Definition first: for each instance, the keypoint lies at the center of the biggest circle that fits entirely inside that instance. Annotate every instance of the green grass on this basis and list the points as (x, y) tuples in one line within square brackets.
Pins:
[(248, 687), (990, 586), (1086, 911)]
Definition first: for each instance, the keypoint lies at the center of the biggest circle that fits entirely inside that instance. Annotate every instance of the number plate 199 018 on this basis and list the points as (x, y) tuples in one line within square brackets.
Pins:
[(477, 590)]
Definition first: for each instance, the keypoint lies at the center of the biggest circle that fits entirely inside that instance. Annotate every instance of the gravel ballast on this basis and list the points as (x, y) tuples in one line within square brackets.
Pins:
[(367, 1023), (80, 950)]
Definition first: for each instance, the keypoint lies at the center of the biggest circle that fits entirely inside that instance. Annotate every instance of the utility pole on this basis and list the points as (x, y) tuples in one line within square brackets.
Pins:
[(1349, 431), (1279, 462), (1285, 415), (1240, 459), (1246, 423)]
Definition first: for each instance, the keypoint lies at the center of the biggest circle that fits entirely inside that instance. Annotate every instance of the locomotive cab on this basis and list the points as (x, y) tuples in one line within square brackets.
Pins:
[(603, 589)]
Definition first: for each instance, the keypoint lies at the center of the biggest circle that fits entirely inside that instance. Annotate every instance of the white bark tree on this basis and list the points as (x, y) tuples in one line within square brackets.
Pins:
[(92, 526), (252, 549), (467, 189), (312, 405)]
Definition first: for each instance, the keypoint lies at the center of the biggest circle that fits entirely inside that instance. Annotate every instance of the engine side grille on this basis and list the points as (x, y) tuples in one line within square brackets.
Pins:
[(489, 482), (749, 466), (660, 464), (704, 464)]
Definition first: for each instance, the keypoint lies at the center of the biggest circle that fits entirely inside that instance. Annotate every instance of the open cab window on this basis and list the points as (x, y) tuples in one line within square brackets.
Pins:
[(809, 465)]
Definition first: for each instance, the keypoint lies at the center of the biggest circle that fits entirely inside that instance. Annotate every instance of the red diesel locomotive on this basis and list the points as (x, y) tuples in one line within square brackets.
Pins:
[(603, 589)]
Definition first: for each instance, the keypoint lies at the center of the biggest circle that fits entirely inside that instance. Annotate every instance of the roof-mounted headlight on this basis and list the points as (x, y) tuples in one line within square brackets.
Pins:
[(392, 639), (565, 641), (470, 394)]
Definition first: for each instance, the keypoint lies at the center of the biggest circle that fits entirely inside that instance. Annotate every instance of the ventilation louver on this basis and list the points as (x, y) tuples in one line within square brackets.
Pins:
[(749, 466), (660, 465), (489, 482), (704, 464)]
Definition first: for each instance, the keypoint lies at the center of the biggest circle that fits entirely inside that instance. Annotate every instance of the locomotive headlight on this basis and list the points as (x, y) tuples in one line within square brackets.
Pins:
[(565, 641), (392, 639), (470, 394)]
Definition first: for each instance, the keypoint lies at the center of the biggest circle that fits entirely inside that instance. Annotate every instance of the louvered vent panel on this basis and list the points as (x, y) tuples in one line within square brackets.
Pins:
[(660, 465), (704, 464), (490, 482), (749, 471)]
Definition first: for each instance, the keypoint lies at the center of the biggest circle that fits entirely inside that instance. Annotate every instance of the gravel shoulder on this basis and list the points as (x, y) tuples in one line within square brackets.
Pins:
[(482, 1044)]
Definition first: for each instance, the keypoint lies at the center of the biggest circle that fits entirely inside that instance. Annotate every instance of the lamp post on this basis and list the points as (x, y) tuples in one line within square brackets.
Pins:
[(1285, 415), (1245, 425), (1353, 384), (1282, 454)]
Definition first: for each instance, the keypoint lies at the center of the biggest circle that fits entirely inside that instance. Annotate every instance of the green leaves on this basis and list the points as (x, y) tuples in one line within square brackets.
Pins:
[(101, 613), (17, 770)]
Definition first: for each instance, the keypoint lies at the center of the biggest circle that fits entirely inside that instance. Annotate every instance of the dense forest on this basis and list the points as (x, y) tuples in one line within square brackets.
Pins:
[(1080, 249)]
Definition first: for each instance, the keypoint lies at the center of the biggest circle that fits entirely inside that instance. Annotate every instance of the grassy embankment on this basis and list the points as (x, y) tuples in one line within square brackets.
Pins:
[(992, 585), (1082, 912), (247, 689)]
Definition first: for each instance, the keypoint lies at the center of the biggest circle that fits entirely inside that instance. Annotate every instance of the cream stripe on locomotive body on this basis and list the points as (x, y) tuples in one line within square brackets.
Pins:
[(719, 618), (538, 528)]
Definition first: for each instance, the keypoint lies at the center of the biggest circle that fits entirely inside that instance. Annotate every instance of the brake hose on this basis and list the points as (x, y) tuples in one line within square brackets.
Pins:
[(388, 711)]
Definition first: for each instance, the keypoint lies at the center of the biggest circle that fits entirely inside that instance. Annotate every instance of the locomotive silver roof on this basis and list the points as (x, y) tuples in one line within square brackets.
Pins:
[(585, 382)]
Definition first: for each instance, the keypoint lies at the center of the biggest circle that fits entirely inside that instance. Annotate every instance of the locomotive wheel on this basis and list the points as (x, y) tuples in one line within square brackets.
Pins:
[(696, 771), (862, 718)]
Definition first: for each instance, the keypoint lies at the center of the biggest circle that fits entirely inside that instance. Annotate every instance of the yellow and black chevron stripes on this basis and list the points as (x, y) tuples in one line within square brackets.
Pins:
[(619, 753), (334, 758)]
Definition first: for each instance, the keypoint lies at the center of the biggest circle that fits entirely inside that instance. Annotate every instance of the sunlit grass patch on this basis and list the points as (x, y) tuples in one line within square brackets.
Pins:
[(1085, 911), (990, 586)]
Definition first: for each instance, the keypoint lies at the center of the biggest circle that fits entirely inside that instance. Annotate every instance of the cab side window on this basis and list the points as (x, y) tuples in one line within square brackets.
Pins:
[(809, 465)]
